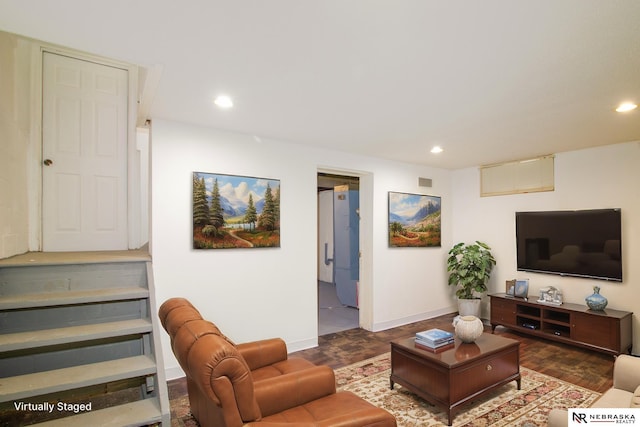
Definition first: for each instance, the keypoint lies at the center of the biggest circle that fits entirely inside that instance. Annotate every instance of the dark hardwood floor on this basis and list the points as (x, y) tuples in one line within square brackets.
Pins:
[(585, 368)]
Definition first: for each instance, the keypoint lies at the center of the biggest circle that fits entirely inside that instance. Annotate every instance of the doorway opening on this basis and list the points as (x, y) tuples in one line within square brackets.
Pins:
[(338, 253)]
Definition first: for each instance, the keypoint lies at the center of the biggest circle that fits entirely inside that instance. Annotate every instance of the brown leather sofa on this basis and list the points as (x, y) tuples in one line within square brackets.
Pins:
[(257, 384)]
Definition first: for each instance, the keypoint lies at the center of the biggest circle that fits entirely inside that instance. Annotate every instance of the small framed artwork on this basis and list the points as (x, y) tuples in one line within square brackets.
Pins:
[(232, 211), (414, 220), (521, 289)]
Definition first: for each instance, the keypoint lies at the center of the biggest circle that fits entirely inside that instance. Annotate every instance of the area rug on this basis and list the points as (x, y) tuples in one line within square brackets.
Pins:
[(506, 406)]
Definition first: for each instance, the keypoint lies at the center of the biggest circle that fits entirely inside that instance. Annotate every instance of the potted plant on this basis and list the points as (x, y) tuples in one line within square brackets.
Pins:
[(469, 268)]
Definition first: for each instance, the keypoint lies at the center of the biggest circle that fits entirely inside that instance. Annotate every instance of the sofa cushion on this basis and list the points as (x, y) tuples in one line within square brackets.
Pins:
[(614, 398), (635, 400)]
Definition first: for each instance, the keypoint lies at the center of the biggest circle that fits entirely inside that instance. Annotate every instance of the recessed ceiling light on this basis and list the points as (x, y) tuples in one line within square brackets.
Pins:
[(223, 101), (626, 106), (437, 149)]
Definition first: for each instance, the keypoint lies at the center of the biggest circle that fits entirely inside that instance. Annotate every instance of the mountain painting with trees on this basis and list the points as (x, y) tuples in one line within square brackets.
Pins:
[(235, 211), (414, 220)]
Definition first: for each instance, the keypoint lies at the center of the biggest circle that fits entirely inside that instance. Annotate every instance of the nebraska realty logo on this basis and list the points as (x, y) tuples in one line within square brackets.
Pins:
[(603, 416)]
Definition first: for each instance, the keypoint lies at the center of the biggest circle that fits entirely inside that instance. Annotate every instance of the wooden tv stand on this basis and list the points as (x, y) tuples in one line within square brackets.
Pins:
[(607, 331)]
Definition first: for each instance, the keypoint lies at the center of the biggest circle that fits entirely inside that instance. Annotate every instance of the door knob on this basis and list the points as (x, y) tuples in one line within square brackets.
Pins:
[(48, 162)]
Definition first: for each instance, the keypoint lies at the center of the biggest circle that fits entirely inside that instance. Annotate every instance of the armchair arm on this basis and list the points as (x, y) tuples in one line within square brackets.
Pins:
[(222, 376), (263, 353), (280, 393), (626, 373)]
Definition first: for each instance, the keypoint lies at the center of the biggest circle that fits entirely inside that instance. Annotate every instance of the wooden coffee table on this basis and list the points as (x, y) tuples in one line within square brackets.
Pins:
[(457, 375)]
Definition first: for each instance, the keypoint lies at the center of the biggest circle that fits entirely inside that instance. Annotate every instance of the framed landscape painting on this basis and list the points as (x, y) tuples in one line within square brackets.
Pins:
[(232, 211), (414, 220)]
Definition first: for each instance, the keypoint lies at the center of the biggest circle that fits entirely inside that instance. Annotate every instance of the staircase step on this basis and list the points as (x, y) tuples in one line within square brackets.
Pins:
[(46, 337), (72, 258), (62, 315), (47, 299), (138, 413), (29, 385)]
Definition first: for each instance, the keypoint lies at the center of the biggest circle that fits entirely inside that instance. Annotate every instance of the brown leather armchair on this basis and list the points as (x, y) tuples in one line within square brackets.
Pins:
[(265, 358), (255, 383)]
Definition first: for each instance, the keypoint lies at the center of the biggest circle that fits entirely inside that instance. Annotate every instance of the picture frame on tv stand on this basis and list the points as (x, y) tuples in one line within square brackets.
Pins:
[(510, 287), (521, 288)]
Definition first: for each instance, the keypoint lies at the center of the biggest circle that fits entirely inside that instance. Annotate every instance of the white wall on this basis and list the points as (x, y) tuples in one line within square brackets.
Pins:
[(259, 293), (603, 177), (15, 128), (142, 159)]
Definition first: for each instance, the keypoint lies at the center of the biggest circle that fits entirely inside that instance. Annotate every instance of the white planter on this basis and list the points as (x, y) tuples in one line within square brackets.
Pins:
[(469, 307)]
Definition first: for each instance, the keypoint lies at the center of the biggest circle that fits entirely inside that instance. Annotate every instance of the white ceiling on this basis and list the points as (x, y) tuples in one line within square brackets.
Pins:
[(489, 80)]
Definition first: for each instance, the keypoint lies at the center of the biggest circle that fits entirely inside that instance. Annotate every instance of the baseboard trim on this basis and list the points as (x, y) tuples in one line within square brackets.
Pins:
[(302, 345), (382, 326)]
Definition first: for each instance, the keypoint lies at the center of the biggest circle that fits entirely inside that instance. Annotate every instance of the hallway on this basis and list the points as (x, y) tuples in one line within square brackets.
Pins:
[(332, 315)]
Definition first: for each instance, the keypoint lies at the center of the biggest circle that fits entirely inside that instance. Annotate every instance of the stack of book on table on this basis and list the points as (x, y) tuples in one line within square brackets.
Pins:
[(434, 340)]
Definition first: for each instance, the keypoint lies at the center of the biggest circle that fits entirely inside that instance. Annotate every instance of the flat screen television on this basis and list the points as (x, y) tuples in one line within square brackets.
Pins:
[(582, 243)]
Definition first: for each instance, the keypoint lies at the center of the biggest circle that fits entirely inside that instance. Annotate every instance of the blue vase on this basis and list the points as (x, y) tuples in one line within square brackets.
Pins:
[(596, 301)]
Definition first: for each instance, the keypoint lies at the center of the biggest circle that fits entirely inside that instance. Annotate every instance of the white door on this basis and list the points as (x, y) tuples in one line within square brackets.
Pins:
[(84, 131)]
